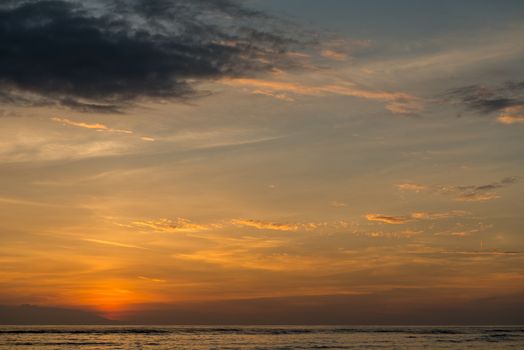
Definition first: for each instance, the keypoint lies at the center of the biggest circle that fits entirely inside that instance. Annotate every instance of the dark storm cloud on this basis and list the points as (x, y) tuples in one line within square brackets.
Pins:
[(103, 55), (488, 99)]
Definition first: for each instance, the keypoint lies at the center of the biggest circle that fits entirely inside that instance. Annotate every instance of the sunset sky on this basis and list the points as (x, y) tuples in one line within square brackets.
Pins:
[(159, 154)]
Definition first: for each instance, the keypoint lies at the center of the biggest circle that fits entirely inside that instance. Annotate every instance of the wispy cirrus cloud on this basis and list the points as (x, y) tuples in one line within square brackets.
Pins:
[(334, 55), (98, 127), (150, 279), (111, 243), (179, 225), (338, 204), (293, 226), (465, 193), (182, 225), (388, 219), (416, 216), (461, 230), (396, 102), (392, 235), (94, 126), (266, 225), (410, 186)]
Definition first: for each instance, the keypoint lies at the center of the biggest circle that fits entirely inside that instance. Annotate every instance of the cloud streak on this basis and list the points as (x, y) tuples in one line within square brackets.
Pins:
[(114, 244), (96, 126), (466, 193), (179, 225), (416, 216), (396, 102), (266, 225)]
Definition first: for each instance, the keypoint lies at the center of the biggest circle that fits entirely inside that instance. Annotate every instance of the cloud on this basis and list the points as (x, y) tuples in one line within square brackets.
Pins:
[(99, 127), (505, 99), (155, 280), (266, 225), (114, 244), (334, 55), (299, 226), (278, 96), (461, 230), (412, 187), (393, 235), (180, 225), (104, 55), (510, 119), (438, 216), (396, 102), (393, 220), (487, 252), (338, 204), (476, 196), (469, 193), (416, 216), (96, 126)]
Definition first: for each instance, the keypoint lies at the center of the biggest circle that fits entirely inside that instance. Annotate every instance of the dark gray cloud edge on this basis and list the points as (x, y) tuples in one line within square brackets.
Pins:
[(487, 99), (106, 54)]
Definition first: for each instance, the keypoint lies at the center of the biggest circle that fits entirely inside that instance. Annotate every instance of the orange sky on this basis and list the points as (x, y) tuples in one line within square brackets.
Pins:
[(344, 172)]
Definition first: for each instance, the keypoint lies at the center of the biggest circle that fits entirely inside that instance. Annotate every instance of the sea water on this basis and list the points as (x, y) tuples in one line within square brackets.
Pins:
[(258, 337)]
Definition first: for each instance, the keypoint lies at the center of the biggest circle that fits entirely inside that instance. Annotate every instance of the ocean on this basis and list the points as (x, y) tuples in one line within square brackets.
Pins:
[(258, 337)]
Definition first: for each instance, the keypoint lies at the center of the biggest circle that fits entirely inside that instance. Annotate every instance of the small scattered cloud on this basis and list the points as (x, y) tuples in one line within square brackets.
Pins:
[(467, 193), (510, 119), (409, 186), (393, 220)]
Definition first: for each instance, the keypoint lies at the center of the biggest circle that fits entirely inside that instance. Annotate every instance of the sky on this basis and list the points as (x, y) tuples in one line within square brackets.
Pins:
[(345, 161)]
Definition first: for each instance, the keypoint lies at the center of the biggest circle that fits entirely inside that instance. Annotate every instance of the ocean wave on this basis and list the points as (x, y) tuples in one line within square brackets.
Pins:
[(488, 332), (65, 343)]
